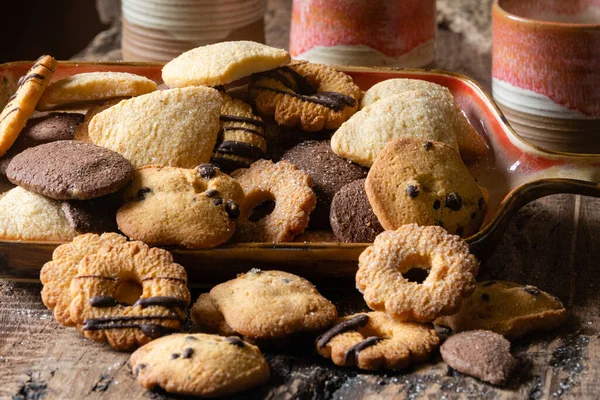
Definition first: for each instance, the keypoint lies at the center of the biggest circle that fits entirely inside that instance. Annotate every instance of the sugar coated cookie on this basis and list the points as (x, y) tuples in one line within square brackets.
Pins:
[(81, 132), (390, 87)]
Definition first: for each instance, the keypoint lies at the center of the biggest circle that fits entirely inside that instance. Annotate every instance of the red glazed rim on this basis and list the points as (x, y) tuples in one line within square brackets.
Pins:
[(548, 24)]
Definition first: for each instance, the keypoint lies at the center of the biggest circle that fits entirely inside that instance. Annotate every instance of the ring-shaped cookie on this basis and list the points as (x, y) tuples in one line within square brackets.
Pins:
[(288, 187), (383, 266)]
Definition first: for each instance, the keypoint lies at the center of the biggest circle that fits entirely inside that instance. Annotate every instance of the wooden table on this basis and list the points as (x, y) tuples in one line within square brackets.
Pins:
[(553, 243)]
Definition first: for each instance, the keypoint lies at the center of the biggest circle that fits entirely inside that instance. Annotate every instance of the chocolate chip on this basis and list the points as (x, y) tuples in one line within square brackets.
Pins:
[(438, 223), (453, 201), (427, 145), (412, 191), (232, 209), (485, 297), (234, 340), (187, 352), (218, 201), (480, 203), (174, 356), (460, 230), (141, 194), (490, 283), (211, 193), (532, 290), (436, 205), (207, 171)]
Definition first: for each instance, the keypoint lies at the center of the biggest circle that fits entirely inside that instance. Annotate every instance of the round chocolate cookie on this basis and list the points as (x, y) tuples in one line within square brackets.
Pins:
[(329, 173), (352, 218), (97, 215), (70, 170)]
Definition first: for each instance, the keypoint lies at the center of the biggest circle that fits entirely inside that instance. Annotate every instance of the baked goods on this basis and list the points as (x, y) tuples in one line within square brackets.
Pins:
[(180, 124), (312, 96), (426, 183), (21, 105), (328, 172), (272, 304), (384, 280), (375, 341), (507, 308), (188, 207), (204, 314), (82, 133), (482, 354), (222, 63), (95, 215), (390, 87), (284, 188), (94, 86), (351, 217), (199, 365)]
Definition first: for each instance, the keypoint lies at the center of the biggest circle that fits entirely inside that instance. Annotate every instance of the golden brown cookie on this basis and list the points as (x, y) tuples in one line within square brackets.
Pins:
[(384, 273), (508, 308), (204, 314), (375, 341), (426, 183), (312, 96), (280, 188), (390, 87)]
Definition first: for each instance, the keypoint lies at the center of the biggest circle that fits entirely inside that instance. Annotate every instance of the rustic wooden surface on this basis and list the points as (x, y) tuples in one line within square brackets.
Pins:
[(553, 243)]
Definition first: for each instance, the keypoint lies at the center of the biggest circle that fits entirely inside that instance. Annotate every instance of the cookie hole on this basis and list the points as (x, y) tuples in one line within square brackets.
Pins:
[(261, 210), (128, 291), (416, 275)]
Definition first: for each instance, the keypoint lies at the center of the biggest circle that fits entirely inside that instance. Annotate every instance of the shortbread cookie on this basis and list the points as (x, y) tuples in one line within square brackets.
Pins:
[(426, 183), (272, 304), (289, 191), (175, 127), (383, 273), (128, 294), (29, 216), (507, 308), (199, 365), (21, 105), (482, 354), (352, 218), (390, 87), (95, 215), (82, 133), (56, 275), (94, 86), (194, 208), (328, 171), (312, 96), (70, 170), (375, 341), (208, 318), (222, 63)]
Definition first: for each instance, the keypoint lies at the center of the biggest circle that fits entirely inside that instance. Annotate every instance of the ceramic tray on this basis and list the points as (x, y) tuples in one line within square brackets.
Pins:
[(514, 173)]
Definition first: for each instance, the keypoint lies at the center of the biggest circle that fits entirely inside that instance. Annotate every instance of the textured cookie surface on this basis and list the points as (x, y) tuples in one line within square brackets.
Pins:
[(375, 341), (180, 124), (272, 304), (81, 132), (383, 273), (390, 87), (199, 364), (94, 86), (187, 207), (352, 218), (70, 170), (29, 216), (204, 314), (507, 308), (426, 183), (221, 63)]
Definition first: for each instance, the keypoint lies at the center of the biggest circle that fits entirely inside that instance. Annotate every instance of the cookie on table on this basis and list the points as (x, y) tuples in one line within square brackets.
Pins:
[(479, 353), (272, 304), (199, 365), (175, 127), (328, 171), (423, 182), (96, 215), (390, 87), (222, 63), (93, 86), (508, 308), (22, 103), (195, 208), (204, 314), (70, 170), (81, 132), (374, 341)]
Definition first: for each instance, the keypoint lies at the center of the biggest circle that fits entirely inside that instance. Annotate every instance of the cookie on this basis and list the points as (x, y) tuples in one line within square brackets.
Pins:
[(56, 275), (507, 308), (95, 215), (426, 183), (81, 132), (8, 87), (204, 314), (328, 171), (181, 125), (390, 87), (70, 170), (195, 208), (352, 218), (21, 105), (482, 354), (199, 365), (222, 63), (272, 304), (128, 294), (94, 86), (29, 216), (374, 341), (385, 273), (312, 96), (278, 202), (241, 140)]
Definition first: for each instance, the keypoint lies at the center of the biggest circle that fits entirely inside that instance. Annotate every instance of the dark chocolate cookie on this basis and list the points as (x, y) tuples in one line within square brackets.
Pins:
[(329, 173), (352, 218), (97, 215), (70, 170)]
